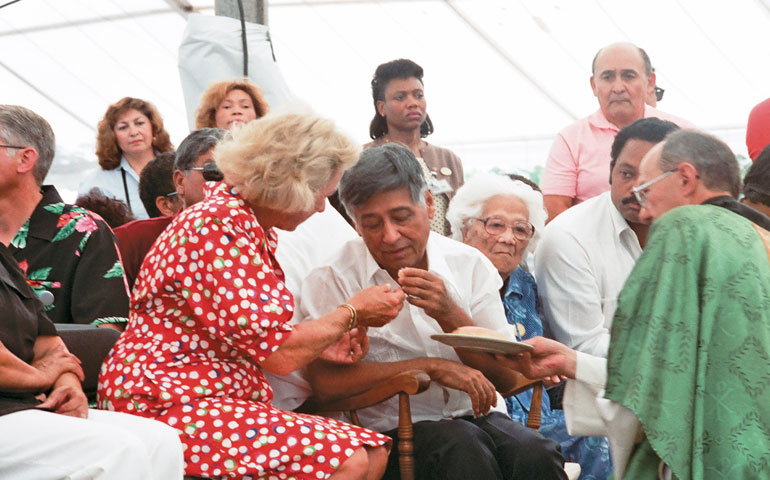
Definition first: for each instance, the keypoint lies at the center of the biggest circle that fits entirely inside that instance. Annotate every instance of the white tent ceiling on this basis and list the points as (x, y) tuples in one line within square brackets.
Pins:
[(502, 77)]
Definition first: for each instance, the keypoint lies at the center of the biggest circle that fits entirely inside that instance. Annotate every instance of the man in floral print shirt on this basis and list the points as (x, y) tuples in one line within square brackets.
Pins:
[(63, 249)]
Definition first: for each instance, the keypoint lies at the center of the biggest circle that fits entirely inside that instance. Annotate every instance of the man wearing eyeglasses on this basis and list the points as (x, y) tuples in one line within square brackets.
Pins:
[(577, 167), (67, 253), (687, 376), (193, 166), (585, 254)]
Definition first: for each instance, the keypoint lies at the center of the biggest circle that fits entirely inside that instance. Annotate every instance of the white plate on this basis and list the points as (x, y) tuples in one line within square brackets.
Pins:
[(482, 344)]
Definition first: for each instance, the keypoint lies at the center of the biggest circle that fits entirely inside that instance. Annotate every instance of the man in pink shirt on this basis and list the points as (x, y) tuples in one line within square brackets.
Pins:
[(578, 165)]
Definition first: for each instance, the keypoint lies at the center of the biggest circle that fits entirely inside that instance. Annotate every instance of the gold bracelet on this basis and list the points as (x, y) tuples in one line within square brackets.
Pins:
[(353, 321)]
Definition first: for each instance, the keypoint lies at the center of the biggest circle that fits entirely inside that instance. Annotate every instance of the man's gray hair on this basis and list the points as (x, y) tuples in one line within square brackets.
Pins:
[(378, 169), (22, 127), (468, 203), (712, 158), (196, 144)]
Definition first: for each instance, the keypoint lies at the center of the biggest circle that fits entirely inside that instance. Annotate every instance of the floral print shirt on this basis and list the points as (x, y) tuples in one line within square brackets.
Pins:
[(71, 252)]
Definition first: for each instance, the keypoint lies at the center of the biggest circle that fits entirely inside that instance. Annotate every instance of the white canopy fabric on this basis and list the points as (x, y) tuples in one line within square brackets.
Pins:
[(501, 77)]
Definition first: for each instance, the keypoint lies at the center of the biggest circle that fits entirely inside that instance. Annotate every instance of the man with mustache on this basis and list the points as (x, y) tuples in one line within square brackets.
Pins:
[(578, 163), (684, 391), (585, 255), (461, 427)]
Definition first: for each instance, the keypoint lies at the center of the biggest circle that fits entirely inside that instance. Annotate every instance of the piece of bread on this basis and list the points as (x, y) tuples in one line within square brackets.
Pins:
[(480, 332)]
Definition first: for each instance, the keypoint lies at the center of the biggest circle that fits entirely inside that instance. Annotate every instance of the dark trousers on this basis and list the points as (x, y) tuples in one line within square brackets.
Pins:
[(490, 447)]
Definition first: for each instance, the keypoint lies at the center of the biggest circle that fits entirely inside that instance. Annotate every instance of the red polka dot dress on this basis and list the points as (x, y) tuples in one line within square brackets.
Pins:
[(209, 306)]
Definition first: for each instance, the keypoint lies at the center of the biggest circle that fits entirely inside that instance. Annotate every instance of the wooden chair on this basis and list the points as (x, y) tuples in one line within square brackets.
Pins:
[(405, 384)]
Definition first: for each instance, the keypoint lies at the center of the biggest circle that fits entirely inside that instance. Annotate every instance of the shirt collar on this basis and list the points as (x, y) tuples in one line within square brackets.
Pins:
[(127, 168), (43, 223), (513, 284), (234, 199), (598, 120), (619, 224)]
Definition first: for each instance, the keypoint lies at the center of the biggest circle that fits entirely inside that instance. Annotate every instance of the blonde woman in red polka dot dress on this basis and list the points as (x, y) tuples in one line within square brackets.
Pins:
[(210, 312)]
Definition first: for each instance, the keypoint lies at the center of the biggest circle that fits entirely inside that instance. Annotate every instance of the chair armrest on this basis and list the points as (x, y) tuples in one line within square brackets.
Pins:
[(521, 384), (91, 345), (410, 382)]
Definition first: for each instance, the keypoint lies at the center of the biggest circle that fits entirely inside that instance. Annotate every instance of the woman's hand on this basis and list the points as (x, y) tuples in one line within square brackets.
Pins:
[(351, 348), (378, 305)]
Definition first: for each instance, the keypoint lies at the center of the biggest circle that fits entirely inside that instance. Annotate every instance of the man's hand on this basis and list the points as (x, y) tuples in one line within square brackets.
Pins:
[(376, 306), (549, 359), (427, 291), (67, 399), (350, 348), (471, 381), (55, 362)]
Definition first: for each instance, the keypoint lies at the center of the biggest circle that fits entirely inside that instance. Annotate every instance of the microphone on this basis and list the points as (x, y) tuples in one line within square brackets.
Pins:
[(46, 298)]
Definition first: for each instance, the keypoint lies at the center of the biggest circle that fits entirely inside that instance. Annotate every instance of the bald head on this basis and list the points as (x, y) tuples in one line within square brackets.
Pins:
[(630, 47), (622, 78), (688, 168)]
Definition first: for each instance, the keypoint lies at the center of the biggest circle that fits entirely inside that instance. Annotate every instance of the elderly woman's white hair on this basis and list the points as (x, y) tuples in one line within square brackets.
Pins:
[(469, 200), (282, 160)]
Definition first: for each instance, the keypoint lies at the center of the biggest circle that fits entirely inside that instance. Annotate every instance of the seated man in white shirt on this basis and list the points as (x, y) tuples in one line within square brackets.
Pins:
[(461, 428), (586, 253)]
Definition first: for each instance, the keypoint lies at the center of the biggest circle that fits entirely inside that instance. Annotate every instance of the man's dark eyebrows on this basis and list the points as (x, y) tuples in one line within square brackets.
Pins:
[(626, 71), (627, 165)]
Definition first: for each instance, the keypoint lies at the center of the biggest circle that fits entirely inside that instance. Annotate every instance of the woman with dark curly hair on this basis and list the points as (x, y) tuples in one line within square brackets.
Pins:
[(232, 101), (129, 136), (400, 115)]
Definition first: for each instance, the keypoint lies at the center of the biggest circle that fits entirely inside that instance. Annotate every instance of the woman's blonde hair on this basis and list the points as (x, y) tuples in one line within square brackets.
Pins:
[(205, 116), (107, 150), (282, 161)]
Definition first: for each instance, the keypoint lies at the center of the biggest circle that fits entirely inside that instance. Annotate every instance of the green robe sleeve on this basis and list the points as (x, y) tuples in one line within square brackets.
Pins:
[(690, 347)]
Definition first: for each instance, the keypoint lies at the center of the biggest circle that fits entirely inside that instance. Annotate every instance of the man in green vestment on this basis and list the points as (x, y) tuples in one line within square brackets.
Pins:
[(688, 373)]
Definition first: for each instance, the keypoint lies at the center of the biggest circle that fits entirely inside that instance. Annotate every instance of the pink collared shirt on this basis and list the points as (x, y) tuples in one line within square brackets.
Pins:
[(578, 164)]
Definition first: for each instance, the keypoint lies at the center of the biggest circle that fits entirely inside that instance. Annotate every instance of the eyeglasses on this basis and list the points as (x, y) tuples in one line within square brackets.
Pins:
[(659, 93), (210, 172), (170, 194), (498, 226), (10, 146), (640, 191)]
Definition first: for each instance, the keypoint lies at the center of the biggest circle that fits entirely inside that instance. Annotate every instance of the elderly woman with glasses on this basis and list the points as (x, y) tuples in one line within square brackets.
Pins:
[(210, 315), (503, 218)]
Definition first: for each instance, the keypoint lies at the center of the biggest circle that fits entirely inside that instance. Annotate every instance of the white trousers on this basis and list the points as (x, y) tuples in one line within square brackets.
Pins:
[(40, 445)]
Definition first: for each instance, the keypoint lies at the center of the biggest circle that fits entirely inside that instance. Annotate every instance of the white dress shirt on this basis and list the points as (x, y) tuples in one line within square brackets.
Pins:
[(311, 245), (110, 182), (471, 281), (583, 258)]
